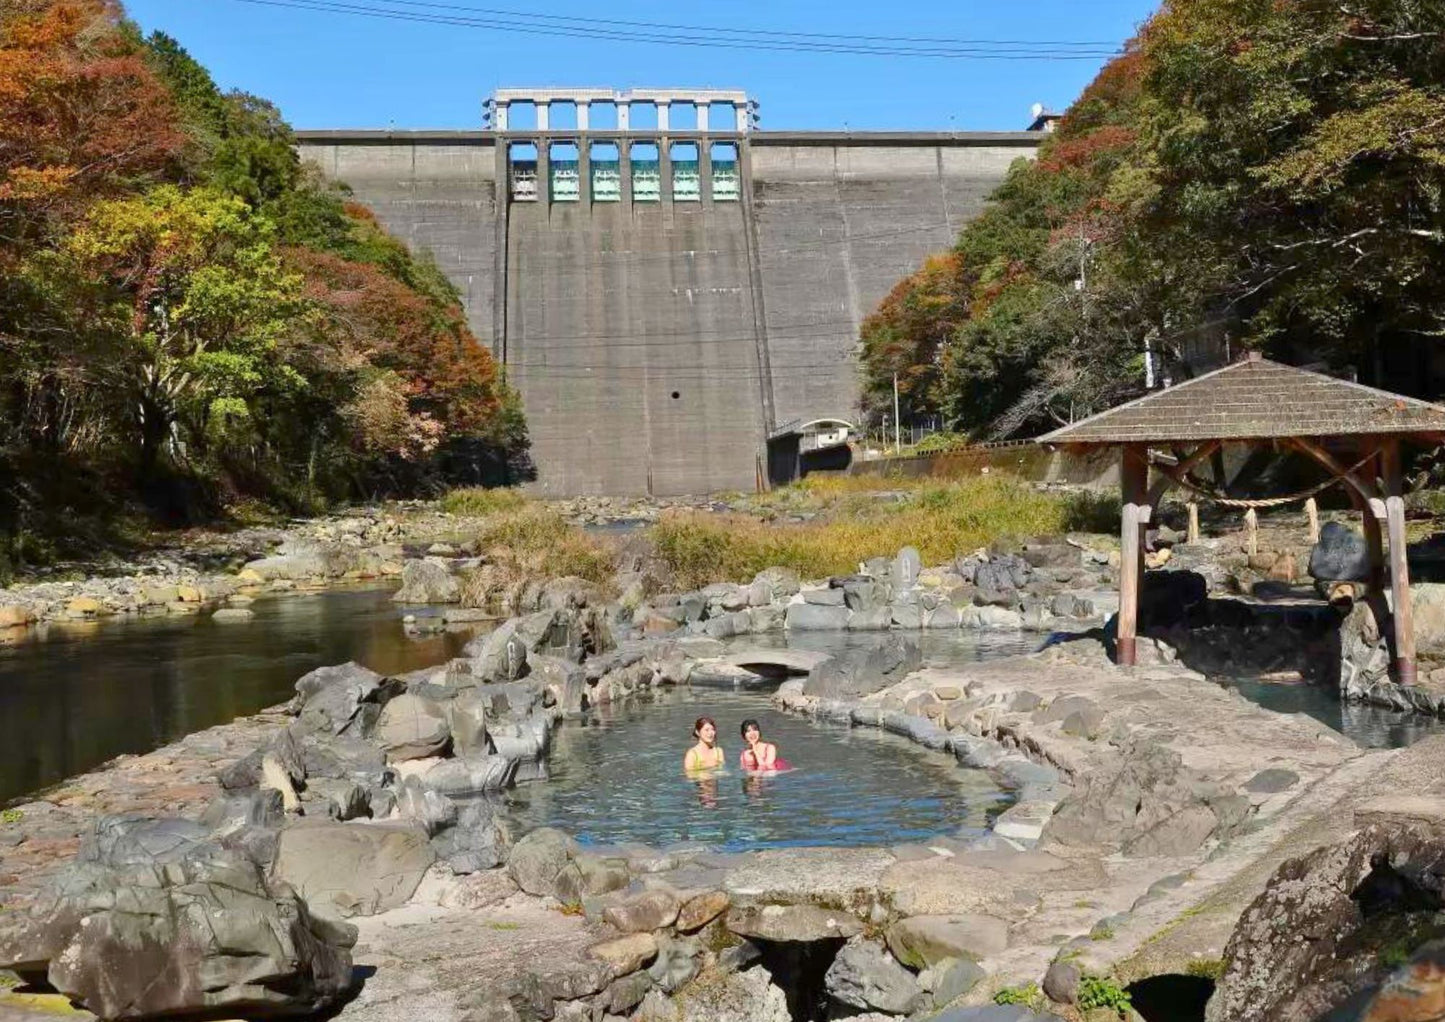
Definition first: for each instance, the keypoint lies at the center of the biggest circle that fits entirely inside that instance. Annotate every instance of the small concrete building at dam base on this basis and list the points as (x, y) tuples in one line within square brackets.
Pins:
[(665, 284)]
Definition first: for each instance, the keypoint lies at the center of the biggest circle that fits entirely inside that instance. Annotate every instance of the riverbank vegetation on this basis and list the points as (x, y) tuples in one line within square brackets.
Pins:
[(1243, 175), (191, 319), (849, 519)]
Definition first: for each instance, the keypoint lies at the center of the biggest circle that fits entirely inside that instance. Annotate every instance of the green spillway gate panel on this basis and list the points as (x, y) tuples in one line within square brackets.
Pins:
[(725, 186), (606, 181), (646, 181), (566, 186), (686, 184)]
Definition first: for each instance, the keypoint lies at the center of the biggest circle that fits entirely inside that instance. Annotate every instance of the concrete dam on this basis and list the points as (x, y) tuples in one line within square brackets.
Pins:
[(665, 296)]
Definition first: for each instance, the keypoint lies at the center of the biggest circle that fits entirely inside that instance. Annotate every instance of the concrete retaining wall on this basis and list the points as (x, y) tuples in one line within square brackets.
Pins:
[(1098, 470)]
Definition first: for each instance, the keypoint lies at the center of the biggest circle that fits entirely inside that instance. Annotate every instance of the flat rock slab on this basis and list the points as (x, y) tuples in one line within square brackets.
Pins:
[(791, 923), (353, 868), (923, 941)]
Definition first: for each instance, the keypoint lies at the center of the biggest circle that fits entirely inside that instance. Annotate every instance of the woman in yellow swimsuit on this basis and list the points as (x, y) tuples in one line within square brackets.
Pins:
[(705, 755)]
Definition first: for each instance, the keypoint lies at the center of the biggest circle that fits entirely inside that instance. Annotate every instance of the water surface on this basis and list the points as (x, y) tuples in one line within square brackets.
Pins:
[(1372, 727), (617, 777), (73, 697)]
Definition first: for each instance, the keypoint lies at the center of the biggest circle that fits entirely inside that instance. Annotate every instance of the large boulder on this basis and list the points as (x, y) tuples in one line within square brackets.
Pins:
[(428, 581), (865, 976), (342, 699), (1002, 573), (471, 775), (1330, 925), (197, 929), (536, 861), (412, 727), (812, 617), (924, 941), (1146, 803), (855, 673), (352, 869), (298, 557), (467, 721), (1340, 555), (474, 843)]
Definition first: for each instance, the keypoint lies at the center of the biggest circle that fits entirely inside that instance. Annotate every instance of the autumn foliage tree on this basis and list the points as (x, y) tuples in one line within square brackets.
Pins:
[(1266, 172), (189, 315)]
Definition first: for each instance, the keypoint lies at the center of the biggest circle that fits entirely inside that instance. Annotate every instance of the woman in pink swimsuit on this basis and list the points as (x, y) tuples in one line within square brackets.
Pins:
[(758, 755)]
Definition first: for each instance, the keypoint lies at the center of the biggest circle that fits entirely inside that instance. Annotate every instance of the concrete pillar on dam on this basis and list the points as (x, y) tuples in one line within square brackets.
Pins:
[(659, 318)]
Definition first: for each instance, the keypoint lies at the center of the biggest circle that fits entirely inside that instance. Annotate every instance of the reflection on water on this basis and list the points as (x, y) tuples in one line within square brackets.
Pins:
[(71, 699), (617, 777), (1372, 727)]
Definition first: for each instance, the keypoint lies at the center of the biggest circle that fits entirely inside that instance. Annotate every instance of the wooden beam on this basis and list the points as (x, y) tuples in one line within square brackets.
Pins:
[(1404, 615), (1134, 480), (1177, 472)]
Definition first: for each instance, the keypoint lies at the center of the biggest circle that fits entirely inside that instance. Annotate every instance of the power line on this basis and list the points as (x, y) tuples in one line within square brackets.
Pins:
[(748, 32), (1052, 52)]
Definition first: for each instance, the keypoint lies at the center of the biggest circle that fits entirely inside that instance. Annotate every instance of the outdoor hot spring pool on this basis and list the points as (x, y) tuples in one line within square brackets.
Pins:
[(617, 777)]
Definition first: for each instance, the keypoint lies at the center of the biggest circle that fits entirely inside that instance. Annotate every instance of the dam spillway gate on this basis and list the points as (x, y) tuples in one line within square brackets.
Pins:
[(664, 291)]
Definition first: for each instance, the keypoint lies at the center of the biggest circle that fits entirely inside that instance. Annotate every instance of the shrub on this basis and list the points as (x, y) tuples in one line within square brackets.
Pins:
[(475, 501), (533, 541), (1103, 992), (1027, 994)]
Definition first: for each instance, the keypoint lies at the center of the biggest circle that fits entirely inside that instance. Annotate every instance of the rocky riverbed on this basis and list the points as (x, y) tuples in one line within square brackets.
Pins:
[(348, 853)]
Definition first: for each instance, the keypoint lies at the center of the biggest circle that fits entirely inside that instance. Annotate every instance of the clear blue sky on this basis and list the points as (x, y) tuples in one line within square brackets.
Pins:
[(329, 70)]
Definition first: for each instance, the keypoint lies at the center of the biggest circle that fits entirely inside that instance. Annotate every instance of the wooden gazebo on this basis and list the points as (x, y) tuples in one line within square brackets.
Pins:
[(1353, 431)]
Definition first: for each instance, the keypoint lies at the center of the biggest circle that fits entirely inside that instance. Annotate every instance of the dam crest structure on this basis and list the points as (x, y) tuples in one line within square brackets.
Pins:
[(665, 283)]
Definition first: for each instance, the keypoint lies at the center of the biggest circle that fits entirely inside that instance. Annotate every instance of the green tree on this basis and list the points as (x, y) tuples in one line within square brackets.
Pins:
[(192, 288)]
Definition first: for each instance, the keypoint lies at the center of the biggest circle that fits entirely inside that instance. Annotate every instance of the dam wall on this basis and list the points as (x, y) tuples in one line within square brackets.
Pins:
[(657, 339)]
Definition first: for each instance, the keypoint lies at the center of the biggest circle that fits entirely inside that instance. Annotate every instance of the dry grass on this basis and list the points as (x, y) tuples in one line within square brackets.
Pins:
[(476, 501), (941, 519), (533, 542)]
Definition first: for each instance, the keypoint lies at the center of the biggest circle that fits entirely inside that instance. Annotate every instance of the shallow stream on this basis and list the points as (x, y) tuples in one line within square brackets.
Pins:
[(74, 696)]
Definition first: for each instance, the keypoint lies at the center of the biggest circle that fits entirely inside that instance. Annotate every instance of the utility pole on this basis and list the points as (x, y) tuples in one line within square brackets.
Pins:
[(897, 423)]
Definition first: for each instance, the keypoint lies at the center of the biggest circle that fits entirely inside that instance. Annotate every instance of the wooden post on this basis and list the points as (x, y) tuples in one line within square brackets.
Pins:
[(1312, 512), (1134, 478), (1193, 534), (1251, 532), (1399, 568)]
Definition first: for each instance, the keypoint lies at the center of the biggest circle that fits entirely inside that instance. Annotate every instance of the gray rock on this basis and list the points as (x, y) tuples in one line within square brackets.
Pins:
[(625, 993), (677, 962), (457, 778), (824, 597), (864, 975), (233, 615), (1311, 942), (205, 933), (474, 843), (906, 616), (781, 583), (923, 941), (950, 979), (1061, 982), (1340, 555), (334, 798), (229, 814), (467, 723), (412, 727), (859, 672), (353, 869), (588, 876), (643, 911), (1052, 555), (423, 806), (344, 699), (1271, 780), (122, 841), (791, 923), (343, 758), (993, 1013), (1146, 803), (871, 619), (427, 581), (907, 566), (1004, 572), (537, 859), (808, 617)]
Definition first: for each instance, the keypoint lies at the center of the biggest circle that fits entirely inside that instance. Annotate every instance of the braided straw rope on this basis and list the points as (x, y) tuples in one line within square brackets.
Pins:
[(1265, 502)]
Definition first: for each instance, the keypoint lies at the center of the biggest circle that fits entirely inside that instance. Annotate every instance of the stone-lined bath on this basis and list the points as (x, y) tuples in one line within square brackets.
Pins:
[(616, 778)]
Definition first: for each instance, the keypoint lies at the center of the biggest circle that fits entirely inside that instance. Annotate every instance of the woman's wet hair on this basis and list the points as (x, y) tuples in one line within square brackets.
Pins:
[(747, 724), (697, 725)]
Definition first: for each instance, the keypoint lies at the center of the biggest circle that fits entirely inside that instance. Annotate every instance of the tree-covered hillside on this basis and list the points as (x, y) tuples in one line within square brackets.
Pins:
[(190, 318), (1270, 173)]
